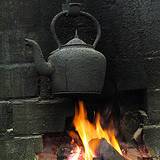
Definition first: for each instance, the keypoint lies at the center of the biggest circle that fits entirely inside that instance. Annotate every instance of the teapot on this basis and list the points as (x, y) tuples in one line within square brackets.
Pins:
[(74, 67)]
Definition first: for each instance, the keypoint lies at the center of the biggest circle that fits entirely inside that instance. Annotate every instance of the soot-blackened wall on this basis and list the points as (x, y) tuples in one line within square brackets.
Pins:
[(130, 42)]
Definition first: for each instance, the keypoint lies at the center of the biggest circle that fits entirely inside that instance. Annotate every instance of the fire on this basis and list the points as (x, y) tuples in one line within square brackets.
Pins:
[(75, 154), (91, 133)]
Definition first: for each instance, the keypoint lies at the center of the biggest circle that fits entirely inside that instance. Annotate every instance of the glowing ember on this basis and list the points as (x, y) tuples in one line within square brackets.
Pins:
[(76, 154), (91, 134)]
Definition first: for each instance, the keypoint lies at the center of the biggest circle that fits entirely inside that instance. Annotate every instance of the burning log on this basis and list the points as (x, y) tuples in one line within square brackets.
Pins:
[(101, 149), (107, 152), (104, 151), (70, 152), (101, 143), (63, 152)]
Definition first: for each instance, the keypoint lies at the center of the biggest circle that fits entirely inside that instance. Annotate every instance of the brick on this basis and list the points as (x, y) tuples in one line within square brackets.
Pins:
[(151, 138), (154, 116), (36, 117), (18, 148), (18, 80), (153, 102), (5, 116), (45, 87)]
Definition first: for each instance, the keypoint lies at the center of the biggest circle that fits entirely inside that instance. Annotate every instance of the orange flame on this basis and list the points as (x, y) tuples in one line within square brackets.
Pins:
[(89, 132)]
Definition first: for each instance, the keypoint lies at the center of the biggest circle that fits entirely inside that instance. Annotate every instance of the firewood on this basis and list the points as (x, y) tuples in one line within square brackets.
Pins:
[(106, 151)]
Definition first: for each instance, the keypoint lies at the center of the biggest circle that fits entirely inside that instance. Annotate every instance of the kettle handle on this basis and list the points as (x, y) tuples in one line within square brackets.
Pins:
[(96, 23)]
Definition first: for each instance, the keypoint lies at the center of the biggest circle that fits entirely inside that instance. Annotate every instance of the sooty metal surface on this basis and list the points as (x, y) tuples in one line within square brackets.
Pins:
[(76, 67)]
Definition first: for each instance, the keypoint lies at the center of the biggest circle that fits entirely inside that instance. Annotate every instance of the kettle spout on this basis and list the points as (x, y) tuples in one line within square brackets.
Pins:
[(43, 67)]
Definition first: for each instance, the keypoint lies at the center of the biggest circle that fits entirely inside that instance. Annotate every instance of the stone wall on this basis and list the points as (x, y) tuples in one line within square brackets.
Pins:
[(24, 117), (130, 42)]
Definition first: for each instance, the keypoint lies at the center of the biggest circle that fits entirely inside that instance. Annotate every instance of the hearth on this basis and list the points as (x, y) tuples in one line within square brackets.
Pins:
[(78, 70), (93, 140), (38, 96)]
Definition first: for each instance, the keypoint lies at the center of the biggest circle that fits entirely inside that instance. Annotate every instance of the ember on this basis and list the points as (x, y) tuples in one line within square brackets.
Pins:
[(76, 154)]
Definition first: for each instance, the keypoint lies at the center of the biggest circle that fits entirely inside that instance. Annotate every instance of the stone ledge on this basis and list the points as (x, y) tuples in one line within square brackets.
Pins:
[(5, 116), (18, 81), (34, 116), (152, 137), (20, 148), (154, 116)]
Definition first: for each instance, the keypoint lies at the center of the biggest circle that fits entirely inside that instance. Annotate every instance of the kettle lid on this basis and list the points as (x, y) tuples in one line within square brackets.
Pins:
[(76, 40)]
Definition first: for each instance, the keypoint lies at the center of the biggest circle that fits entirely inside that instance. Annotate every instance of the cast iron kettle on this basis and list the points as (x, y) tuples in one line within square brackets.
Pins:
[(76, 67)]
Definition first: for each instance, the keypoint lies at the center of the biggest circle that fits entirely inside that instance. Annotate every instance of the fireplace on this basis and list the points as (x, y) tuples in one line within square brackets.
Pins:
[(95, 138), (105, 135), (37, 109)]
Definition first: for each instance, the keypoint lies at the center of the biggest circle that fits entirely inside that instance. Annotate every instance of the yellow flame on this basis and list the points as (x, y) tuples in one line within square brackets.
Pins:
[(88, 132)]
